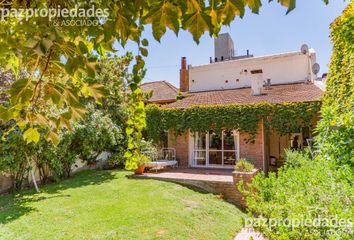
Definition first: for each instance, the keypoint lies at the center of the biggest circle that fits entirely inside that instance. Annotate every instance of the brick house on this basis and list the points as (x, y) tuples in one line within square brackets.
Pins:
[(230, 79)]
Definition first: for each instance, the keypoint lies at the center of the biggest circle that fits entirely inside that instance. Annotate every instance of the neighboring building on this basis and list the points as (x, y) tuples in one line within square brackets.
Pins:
[(162, 92), (278, 78)]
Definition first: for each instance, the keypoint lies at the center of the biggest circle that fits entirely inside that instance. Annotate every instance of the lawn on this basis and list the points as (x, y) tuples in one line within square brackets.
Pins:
[(108, 205)]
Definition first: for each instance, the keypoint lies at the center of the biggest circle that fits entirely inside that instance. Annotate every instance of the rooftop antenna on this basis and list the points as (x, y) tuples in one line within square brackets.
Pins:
[(316, 68), (304, 49)]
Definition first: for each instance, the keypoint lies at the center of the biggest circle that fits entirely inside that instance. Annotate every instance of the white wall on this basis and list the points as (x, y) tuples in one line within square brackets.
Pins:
[(280, 68)]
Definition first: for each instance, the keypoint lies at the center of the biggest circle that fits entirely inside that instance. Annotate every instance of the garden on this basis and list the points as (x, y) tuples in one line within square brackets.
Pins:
[(108, 205)]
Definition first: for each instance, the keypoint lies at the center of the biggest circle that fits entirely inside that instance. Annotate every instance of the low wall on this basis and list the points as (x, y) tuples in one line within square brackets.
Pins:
[(246, 178), (5, 183), (226, 187)]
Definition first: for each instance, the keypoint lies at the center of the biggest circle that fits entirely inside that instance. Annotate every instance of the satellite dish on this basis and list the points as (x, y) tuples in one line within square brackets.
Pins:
[(304, 49), (315, 68)]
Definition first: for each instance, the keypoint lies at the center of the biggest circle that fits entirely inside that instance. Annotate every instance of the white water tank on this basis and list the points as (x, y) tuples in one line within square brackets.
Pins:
[(257, 82)]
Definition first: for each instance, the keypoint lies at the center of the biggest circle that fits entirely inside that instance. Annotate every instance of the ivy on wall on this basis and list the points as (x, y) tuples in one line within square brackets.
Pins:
[(283, 118), (336, 129)]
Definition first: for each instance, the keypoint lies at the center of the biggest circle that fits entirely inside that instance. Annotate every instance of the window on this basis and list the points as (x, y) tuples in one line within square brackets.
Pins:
[(221, 150)]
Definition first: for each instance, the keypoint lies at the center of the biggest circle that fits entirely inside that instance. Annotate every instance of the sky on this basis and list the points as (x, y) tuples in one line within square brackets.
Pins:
[(269, 32)]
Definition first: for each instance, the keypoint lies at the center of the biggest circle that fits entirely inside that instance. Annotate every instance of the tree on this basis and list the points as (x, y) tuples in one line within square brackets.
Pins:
[(336, 131), (57, 54)]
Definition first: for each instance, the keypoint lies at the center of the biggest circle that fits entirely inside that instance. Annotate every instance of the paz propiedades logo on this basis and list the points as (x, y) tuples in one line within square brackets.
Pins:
[(76, 16)]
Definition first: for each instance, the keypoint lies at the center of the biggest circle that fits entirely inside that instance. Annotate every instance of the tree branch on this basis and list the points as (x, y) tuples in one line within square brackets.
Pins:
[(40, 80)]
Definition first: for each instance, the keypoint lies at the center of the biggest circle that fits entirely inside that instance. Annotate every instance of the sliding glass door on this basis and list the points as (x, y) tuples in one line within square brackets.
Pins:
[(199, 152), (215, 149)]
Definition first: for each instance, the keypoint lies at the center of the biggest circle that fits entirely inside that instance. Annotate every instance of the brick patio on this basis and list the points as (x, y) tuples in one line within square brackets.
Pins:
[(219, 175), (217, 181)]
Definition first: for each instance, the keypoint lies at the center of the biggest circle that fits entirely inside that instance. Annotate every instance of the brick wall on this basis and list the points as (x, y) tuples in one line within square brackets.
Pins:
[(181, 145), (246, 178), (253, 150)]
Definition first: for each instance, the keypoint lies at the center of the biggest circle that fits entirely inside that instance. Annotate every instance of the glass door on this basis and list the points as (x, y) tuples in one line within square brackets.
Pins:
[(230, 148), (215, 149), (199, 149)]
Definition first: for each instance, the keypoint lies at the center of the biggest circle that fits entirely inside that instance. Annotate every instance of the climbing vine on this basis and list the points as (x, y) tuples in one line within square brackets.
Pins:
[(336, 130), (284, 118)]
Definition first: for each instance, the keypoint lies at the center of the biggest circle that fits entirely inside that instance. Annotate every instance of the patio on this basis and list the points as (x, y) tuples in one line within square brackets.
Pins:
[(217, 181)]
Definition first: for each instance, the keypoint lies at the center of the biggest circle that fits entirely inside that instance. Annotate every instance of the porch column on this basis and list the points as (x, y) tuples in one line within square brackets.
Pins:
[(266, 149)]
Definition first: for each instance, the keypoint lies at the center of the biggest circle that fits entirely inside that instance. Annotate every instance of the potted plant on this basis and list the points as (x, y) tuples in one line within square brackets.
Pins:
[(141, 164), (148, 150), (244, 170)]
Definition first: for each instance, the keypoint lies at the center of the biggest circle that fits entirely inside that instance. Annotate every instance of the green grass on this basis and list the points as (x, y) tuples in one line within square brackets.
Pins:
[(108, 205)]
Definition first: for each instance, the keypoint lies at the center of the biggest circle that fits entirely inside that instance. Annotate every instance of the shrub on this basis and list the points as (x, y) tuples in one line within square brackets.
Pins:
[(310, 190), (96, 133), (244, 166), (13, 158), (294, 158), (149, 150), (336, 132)]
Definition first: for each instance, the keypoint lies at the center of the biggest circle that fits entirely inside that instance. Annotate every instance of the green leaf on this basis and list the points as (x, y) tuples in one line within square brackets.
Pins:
[(162, 16), (22, 124), (21, 91), (31, 43), (197, 24), (129, 131), (254, 5), (145, 42), (231, 9), (46, 44), (97, 91), (290, 4), (143, 51), (31, 135), (54, 138)]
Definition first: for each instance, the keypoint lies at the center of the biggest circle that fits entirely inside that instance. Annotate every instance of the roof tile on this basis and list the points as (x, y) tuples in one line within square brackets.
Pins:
[(276, 94), (163, 91)]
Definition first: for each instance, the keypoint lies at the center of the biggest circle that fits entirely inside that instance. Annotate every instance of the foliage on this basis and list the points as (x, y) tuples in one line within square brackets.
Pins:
[(294, 158), (94, 134), (57, 56), (46, 162), (13, 159), (89, 137), (284, 118), (243, 165), (310, 191), (136, 123), (113, 76), (336, 131), (149, 150)]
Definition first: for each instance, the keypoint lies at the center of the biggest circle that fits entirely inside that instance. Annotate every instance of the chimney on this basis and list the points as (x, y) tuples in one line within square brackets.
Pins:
[(183, 76), (257, 82)]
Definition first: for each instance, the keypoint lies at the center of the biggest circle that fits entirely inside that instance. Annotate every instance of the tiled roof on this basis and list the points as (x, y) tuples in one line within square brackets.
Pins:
[(162, 91), (276, 94)]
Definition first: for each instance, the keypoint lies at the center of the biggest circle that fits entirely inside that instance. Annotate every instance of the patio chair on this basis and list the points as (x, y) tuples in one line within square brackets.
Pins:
[(165, 158)]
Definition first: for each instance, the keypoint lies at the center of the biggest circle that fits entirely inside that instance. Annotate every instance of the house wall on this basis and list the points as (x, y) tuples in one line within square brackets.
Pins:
[(254, 150), (281, 69), (181, 144)]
